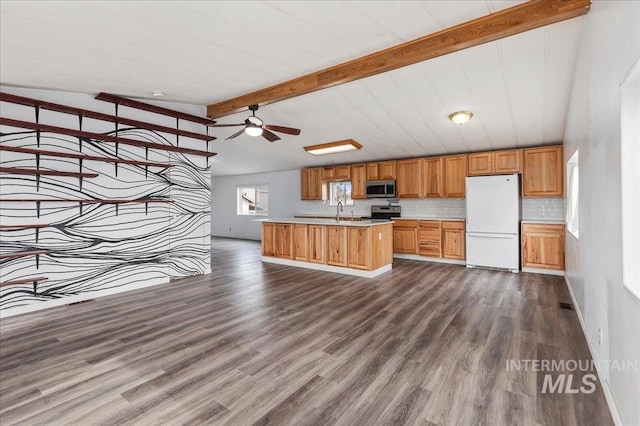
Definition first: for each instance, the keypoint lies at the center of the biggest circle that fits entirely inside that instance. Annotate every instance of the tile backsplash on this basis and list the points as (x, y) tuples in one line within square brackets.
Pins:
[(543, 209), (451, 208)]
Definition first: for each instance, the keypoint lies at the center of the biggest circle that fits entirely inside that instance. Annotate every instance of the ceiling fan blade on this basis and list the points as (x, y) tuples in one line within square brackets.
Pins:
[(271, 137), (225, 125), (211, 123), (282, 129), (235, 135)]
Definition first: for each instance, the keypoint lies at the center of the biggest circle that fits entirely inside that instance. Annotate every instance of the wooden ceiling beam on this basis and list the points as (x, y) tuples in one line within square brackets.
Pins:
[(507, 22)]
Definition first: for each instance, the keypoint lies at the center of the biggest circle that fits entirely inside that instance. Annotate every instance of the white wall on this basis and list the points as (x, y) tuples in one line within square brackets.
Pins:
[(284, 201), (100, 250), (609, 46)]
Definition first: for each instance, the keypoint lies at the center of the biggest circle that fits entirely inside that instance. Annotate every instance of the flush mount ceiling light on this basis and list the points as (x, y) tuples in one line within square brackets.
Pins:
[(333, 147), (460, 117), (157, 94)]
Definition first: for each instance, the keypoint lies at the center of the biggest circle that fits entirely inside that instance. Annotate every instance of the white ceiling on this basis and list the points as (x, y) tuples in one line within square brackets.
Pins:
[(203, 52)]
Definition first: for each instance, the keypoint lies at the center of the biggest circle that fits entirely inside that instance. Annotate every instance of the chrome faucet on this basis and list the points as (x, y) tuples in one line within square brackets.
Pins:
[(338, 210)]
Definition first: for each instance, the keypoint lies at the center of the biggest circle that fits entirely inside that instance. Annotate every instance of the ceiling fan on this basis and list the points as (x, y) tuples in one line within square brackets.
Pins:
[(254, 126)]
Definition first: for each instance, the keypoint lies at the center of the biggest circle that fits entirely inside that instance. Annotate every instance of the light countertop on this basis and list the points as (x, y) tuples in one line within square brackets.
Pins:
[(303, 221), (446, 219), (544, 221)]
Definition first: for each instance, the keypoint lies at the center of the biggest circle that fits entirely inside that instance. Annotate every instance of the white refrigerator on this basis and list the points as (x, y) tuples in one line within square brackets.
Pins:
[(493, 222)]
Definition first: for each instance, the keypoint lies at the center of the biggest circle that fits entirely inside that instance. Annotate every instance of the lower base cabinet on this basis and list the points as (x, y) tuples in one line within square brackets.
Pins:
[(358, 248), (284, 240), (430, 238), (337, 245), (301, 242), (316, 243), (543, 246), (453, 240), (268, 239), (405, 236)]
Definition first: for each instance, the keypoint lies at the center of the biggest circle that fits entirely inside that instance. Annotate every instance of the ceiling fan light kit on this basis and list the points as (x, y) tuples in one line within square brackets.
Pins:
[(333, 147), (254, 126), (460, 117)]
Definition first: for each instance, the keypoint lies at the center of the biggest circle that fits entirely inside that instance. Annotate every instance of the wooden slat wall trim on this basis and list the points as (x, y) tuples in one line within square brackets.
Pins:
[(82, 156), (24, 281), (23, 171), (21, 100), (505, 23), (23, 254), (47, 200), (101, 137), (152, 108)]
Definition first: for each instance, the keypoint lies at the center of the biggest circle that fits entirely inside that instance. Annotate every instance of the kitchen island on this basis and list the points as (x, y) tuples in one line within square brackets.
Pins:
[(361, 248)]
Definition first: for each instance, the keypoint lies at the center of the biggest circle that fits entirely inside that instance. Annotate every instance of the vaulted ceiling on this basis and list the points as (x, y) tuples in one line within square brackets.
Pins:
[(204, 52)]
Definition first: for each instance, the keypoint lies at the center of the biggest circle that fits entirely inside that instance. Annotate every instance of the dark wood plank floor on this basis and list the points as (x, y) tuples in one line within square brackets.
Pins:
[(257, 343)]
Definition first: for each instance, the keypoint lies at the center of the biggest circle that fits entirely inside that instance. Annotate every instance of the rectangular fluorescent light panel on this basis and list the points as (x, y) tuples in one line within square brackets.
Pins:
[(333, 147)]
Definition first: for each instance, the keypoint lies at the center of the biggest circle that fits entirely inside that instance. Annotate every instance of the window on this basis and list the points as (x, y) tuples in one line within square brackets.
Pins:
[(340, 191), (630, 174), (573, 185), (253, 200)]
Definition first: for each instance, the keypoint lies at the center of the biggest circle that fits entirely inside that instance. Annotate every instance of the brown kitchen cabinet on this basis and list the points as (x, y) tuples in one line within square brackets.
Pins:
[(432, 177), (311, 184), (383, 170), (336, 173), (337, 245), (409, 178), (405, 236), (316, 251), (429, 237), (508, 161), (284, 240), (543, 245), (542, 172), (453, 240), (268, 239), (494, 162), (301, 242), (359, 247), (455, 175), (358, 181)]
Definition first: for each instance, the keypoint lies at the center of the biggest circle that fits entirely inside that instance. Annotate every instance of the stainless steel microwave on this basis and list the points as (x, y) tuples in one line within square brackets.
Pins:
[(381, 189)]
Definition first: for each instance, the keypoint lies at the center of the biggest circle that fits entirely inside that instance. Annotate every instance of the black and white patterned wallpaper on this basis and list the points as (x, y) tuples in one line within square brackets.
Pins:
[(100, 247)]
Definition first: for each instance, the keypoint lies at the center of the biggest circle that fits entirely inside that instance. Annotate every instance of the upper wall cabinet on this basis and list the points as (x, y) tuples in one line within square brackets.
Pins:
[(495, 162), (409, 178), (542, 172), (311, 184), (455, 174), (384, 170), (358, 181), (432, 177)]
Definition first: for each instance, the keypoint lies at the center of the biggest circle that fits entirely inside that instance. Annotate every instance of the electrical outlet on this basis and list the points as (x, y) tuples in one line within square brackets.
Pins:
[(380, 235), (600, 337)]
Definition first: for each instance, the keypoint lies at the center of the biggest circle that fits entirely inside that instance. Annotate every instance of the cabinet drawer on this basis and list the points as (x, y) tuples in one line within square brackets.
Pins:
[(431, 250), (430, 224), (453, 225), (405, 224), (543, 228), (429, 235)]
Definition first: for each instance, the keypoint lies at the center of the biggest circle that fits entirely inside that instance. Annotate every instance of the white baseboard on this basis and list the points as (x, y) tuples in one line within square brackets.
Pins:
[(428, 259), (328, 268), (543, 271), (613, 409)]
